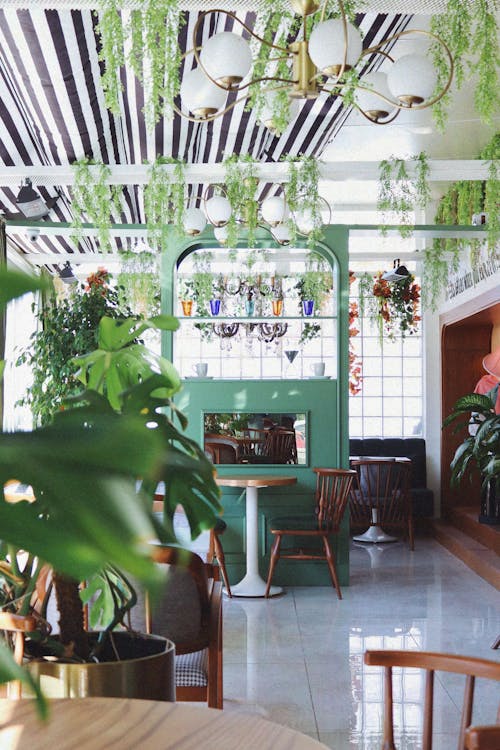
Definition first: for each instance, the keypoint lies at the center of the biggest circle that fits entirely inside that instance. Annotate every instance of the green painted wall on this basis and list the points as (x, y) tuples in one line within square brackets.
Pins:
[(324, 401)]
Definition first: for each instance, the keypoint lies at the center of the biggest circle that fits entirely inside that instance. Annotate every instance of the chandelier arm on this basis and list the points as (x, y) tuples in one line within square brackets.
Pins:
[(209, 118), (380, 122), (247, 28)]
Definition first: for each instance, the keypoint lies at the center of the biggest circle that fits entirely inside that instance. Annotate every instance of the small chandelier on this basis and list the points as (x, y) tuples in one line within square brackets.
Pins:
[(273, 214), (318, 64)]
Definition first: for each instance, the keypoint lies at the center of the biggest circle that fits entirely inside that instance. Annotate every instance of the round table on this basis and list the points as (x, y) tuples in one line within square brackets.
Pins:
[(105, 723), (252, 584)]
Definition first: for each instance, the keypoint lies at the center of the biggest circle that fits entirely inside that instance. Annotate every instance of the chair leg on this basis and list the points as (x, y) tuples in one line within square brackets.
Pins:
[(275, 553), (330, 559), (219, 555), (410, 533)]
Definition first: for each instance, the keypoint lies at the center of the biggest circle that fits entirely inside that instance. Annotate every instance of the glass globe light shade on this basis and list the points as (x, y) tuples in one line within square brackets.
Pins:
[(327, 43), (226, 57), (372, 105), (412, 79), (194, 221), (304, 221), (218, 210), (220, 234), (199, 95), (281, 234), (266, 114), (274, 210)]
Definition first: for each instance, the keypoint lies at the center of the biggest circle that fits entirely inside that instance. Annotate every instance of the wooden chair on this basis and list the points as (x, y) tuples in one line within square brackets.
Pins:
[(332, 492), (380, 496), (483, 738), (17, 626), (284, 446), (216, 551), (221, 449), (469, 666), (190, 613)]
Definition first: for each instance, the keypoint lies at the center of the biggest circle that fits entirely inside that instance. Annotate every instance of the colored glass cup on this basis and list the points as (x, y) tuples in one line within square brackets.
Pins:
[(187, 306), (215, 306), (277, 306), (308, 307)]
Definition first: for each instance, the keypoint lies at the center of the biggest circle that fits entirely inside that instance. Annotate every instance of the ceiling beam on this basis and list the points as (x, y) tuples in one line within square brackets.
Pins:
[(139, 174)]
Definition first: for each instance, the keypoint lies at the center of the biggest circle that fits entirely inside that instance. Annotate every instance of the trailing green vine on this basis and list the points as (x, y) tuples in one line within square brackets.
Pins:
[(111, 34), (470, 30), (154, 54), (399, 194), (164, 198), (240, 185), (139, 282), (94, 199), (462, 200), (302, 196)]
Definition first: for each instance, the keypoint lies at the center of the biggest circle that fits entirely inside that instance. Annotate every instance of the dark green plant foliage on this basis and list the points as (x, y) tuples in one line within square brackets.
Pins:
[(479, 452), (67, 329), (88, 518)]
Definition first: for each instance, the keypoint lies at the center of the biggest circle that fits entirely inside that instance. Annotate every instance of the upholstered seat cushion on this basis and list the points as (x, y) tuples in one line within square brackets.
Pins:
[(191, 670)]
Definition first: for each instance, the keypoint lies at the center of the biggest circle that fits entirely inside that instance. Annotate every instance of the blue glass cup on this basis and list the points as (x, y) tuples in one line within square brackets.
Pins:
[(215, 306), (308, 307)]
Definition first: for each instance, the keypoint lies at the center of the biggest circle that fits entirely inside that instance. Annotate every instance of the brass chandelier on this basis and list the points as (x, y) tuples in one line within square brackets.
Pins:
[(320, 62)]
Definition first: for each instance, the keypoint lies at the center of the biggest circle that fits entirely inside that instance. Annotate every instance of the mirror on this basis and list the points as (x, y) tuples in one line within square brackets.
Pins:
[(255, 438)]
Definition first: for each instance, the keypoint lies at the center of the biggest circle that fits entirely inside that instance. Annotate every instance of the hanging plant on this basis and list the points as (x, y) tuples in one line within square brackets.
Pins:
[(393, 306), (399, 194), (111, 54), (457, 206), (240, 185), (94, 199), (259, 96), (154, 54), (139, 282), (164, 198), (302, 195), (491, 152), (309, 332), (470, 31)]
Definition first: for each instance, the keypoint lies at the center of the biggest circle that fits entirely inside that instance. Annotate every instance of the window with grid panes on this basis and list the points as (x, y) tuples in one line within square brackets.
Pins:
[(390, 403)]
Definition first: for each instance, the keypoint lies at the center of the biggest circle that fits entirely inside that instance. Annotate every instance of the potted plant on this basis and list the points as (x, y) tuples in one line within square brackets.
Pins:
[(480, 451), (218, 291), (186, 296), (67, 328), (313, 287), (88, 521)]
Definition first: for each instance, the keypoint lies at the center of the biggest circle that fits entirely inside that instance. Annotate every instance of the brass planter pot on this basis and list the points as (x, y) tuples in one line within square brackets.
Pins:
[(146, 670)]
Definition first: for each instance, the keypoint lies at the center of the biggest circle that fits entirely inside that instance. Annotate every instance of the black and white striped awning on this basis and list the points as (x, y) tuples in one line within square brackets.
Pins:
[(52, 110)]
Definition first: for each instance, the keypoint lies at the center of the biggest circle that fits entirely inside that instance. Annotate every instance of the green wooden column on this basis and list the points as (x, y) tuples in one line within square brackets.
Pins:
[(326, 405)]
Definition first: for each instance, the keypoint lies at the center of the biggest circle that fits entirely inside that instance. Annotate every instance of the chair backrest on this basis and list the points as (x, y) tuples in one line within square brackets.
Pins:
[(284, 446), (221, 449), (483, 737), (430, 662), (332, 492), (381, 483), (183, 609)]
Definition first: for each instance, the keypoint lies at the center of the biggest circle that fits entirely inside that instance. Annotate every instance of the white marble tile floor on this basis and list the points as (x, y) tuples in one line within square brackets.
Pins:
[(298, 659)]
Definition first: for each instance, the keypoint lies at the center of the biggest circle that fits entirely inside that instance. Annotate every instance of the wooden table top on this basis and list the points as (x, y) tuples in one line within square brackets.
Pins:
[(105, 723), (255, 480)]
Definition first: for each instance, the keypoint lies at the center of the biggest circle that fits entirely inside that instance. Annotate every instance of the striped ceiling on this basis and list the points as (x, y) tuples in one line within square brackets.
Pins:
[(52, 110)]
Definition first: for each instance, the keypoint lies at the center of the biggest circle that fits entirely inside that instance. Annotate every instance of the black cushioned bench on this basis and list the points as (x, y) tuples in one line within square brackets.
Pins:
[(413, 448)]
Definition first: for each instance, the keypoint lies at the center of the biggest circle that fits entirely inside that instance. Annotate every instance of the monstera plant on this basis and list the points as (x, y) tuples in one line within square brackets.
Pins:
[(90, 520)]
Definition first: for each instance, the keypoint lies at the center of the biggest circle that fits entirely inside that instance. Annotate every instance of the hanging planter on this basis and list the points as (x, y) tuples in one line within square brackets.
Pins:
[(394, 305)]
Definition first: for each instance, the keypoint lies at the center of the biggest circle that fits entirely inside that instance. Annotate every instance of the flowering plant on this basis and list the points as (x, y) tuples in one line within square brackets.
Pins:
[(395, 305), (355, 365)]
